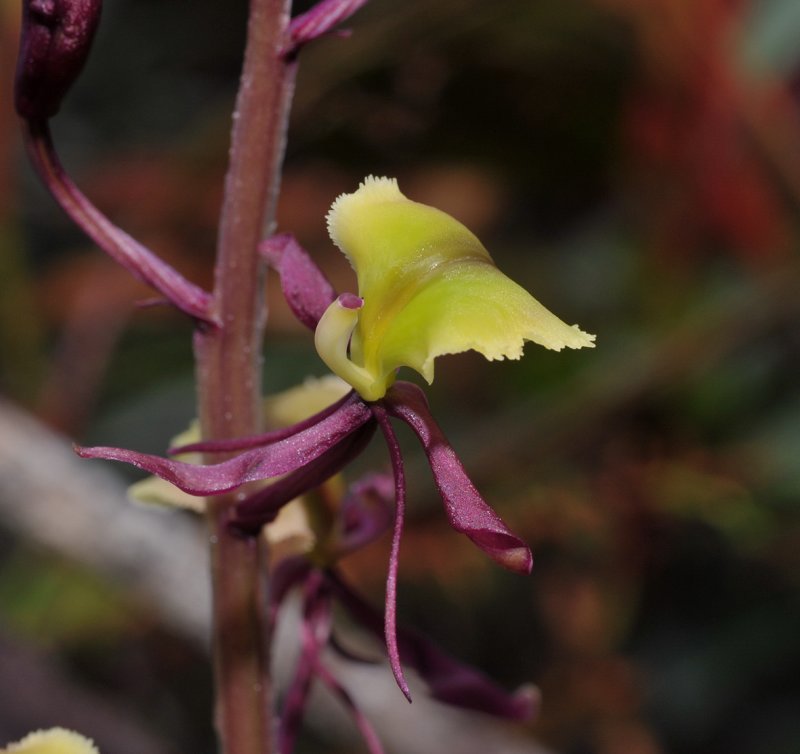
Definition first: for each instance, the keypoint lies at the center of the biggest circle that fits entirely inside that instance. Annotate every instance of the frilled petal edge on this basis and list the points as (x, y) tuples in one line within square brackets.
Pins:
[(471, 305)]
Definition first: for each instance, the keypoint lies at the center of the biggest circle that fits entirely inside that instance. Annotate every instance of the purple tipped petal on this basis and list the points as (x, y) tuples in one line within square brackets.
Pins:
[(320, 20), (366, 512), (467, 511), (262, 506), (252, 465), (265, 438), (305, 288), (448, 680), (390, 613)]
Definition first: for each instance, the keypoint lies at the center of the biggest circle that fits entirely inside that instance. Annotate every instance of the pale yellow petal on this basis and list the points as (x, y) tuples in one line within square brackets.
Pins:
[(304, 400), (157, 492)]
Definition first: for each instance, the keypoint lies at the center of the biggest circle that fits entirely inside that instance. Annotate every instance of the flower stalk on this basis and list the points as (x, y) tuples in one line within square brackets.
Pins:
[(138, 260), (228, 362)]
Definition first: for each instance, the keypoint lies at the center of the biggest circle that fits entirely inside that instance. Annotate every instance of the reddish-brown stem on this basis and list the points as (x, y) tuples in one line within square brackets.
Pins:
[(229, 376)]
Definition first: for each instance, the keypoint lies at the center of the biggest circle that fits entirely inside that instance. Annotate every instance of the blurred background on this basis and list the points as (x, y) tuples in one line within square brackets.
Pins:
[(636, 165)]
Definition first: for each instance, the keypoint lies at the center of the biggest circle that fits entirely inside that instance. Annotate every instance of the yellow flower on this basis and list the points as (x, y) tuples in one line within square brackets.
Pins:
[(53, 741), (427, 287)]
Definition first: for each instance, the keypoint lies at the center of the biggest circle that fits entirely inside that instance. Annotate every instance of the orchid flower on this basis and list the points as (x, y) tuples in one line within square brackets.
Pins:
[(53, 741), (427, 287)]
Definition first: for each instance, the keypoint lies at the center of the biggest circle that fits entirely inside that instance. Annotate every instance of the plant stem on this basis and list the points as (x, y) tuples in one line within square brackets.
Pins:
[(229, 376)]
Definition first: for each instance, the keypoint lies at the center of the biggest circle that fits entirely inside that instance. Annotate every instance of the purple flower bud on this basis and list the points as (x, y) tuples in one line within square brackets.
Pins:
[(54, 44)]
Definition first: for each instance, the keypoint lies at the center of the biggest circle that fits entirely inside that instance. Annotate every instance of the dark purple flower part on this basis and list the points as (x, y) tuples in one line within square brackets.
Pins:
[(390, 611), (467, 511), (261, 507), (253, 465), (55, 40), (365, 514), (319, 20), (263, 439), (305, 288)]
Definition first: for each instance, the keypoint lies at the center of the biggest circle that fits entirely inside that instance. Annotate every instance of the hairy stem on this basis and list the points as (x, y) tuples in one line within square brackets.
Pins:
[(229, 376)]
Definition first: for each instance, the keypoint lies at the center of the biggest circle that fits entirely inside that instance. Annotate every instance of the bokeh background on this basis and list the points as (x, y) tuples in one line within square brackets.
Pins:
[(636, 165)]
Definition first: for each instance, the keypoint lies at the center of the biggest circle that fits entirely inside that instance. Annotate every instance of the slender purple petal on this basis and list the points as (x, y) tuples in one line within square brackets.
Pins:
[(366, 512), (467, 511), (321, 19), (448, 680), (261, 507), (126, 251), (364, 726), (305, 288), (390, 613), (252, 465), (315, 633), (265, 438)]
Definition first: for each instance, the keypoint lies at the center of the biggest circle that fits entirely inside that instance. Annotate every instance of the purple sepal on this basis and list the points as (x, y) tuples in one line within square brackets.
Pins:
[(319, 20), (261, 507), (56, 36), (366, 512), (305, 288), (467, 511), (448, 680), (252, 465), (257, 441)]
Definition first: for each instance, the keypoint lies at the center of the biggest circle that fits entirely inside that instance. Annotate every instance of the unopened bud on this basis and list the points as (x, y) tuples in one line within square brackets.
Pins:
[(55, 41)]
